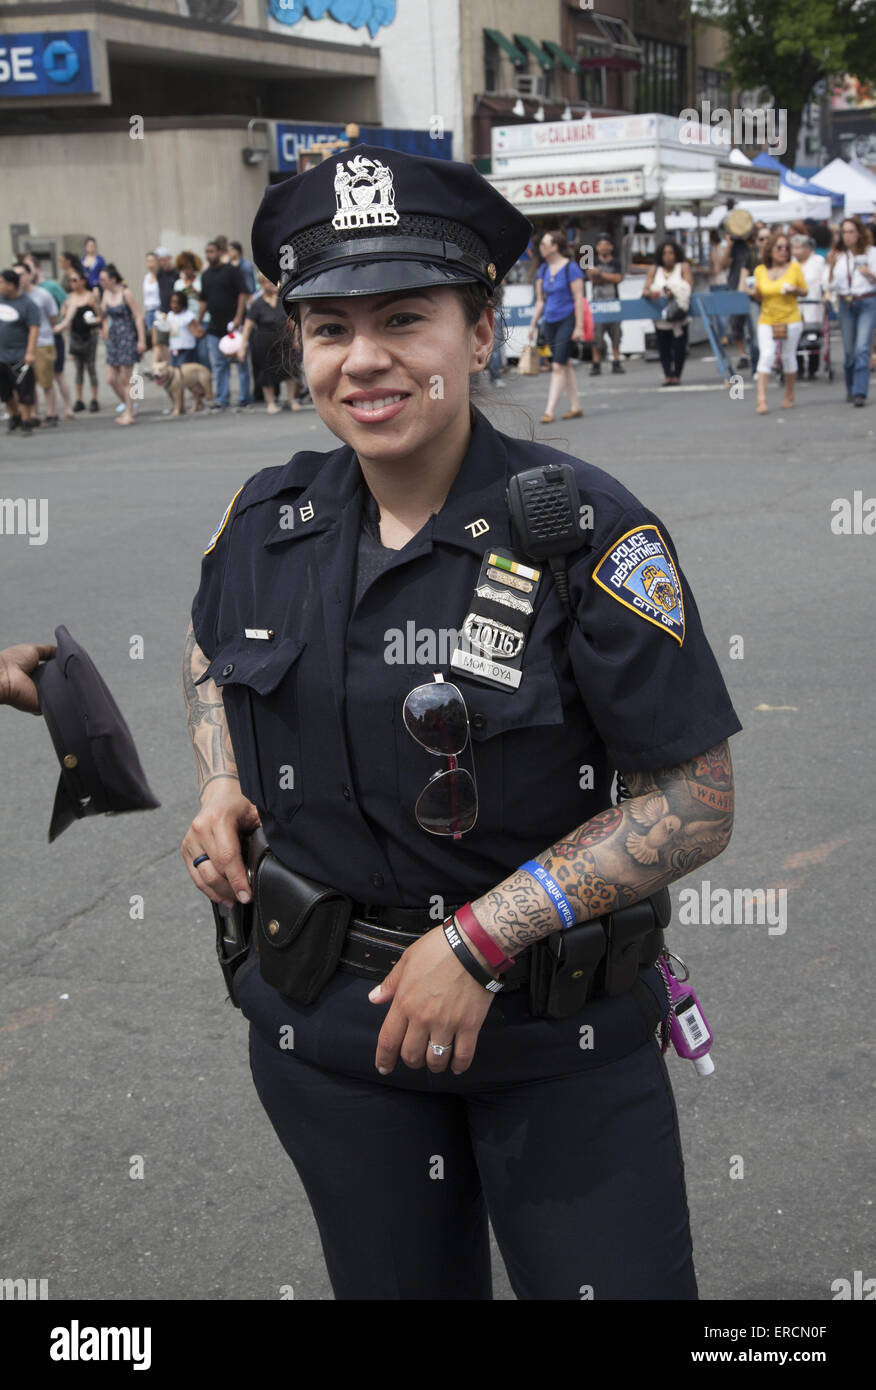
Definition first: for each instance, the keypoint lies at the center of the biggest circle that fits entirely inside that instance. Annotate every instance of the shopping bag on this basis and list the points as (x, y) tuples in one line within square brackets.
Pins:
[(528, 364)]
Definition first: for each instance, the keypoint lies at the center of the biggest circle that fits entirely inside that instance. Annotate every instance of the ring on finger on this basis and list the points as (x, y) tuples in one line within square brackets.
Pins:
[(200, 859), (440, 1048)]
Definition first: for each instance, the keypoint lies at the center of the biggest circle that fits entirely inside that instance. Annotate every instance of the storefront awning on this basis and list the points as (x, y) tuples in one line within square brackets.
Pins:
[(538, 53), (514, 53), (560, 55)]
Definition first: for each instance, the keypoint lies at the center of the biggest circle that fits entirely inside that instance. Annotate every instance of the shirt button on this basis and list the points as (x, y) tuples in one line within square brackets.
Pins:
[(479, 721), (226, 670), (377, 880), (347, 793)]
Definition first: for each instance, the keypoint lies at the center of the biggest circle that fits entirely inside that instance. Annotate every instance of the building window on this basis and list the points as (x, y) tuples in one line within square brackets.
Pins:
[(491, 64), (714, 87), (591, 81), (660, 82)]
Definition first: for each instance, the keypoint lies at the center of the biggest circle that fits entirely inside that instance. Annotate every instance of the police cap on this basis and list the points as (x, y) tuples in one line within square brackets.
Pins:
[(100, 769), (368, 220)]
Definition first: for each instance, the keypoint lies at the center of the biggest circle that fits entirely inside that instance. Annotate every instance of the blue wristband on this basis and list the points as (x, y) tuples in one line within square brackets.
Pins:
[(553, 890)]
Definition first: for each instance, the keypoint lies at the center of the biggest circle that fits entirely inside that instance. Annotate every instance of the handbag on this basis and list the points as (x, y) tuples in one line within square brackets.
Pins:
[(673, 313), (528, 365), (780, 330)]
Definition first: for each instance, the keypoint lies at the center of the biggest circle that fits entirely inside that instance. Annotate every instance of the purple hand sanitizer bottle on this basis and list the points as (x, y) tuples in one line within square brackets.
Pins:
[(690, 1033)]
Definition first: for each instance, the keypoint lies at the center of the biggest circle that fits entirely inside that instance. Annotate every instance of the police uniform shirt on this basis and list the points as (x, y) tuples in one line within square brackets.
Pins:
[(315, 710)]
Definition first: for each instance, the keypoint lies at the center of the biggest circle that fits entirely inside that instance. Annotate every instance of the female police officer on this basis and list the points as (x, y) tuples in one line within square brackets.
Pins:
[(377, 676)]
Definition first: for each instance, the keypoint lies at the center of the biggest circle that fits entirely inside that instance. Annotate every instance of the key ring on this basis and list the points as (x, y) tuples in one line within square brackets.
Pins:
[(682, 979)]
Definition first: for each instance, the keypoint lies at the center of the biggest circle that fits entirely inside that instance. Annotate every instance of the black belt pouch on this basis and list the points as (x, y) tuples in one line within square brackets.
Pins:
[(300, 930), (563, 968)]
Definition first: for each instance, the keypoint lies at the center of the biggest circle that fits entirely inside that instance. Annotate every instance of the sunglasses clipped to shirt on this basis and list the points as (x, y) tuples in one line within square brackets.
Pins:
[(435, 716)]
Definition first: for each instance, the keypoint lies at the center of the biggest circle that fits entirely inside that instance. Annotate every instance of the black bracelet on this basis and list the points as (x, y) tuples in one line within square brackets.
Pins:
[(465, 958)]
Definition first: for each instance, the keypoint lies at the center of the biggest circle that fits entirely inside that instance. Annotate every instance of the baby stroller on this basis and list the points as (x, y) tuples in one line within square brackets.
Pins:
[(814, 342)]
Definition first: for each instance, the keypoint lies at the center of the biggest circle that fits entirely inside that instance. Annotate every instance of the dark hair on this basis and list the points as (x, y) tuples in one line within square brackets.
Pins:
[(113, 272), (237, 246), (559, 240), (74, 263), (181, 296), (604, 236), (87, 239), (187, 260), (10, 276), (220, 242), (674, 247)]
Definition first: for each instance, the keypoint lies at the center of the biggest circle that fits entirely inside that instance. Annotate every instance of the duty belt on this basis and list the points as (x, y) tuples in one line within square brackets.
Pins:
[(621, 943)]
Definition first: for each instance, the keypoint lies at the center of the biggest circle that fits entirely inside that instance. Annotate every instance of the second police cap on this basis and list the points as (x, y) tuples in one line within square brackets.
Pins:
[(100, 768), (368, 220)]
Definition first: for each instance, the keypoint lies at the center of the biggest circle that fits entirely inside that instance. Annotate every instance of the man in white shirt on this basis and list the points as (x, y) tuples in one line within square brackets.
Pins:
[(44, 365)]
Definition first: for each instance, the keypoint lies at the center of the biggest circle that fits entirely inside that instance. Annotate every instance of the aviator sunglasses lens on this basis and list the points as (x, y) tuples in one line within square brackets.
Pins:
[(435, 716), (448, 804)]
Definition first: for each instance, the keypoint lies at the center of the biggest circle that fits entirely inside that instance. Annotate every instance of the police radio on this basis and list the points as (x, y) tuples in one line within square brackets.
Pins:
[(545, 509)]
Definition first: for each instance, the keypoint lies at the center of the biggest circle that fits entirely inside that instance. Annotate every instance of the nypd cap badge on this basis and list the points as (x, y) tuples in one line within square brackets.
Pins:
[(638, 572)]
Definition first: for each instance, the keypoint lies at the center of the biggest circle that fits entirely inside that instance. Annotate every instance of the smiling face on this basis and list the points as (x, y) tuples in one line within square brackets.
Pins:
[(389, 374)]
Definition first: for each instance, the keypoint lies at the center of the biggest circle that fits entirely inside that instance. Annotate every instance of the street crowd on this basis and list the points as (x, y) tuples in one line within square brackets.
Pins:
[(199, 318)]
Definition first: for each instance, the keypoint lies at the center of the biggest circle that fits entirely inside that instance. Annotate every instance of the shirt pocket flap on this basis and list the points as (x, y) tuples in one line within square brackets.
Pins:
[(536, 701), (257, 664)]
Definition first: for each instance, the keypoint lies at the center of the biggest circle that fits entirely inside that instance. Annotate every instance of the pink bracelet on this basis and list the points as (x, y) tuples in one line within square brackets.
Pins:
[(469, 924)]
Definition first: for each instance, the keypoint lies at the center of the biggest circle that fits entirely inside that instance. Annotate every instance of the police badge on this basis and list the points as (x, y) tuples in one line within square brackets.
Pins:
[(364, 194)]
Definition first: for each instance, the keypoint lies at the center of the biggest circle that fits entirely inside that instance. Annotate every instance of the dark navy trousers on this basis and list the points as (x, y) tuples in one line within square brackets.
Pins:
[(562, 1132)]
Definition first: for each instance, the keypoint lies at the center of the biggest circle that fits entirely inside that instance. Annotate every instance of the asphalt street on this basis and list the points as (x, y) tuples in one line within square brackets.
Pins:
[(117, 1041)]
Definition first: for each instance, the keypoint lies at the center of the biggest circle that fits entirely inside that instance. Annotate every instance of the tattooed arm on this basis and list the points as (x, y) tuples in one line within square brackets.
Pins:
[(214, 756), (225, 812), (676, 819)]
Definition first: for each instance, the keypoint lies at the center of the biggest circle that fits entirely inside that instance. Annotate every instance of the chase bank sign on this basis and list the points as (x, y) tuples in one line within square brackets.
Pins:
[(50, 64), (356, 13)]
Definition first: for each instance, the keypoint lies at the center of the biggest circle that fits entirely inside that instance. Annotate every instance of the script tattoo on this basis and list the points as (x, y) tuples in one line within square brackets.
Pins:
[(208, 730), (675, 820)]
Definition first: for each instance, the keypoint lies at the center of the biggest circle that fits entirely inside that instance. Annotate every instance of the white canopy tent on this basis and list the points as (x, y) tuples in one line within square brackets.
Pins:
[(863, 170), (840, 177)]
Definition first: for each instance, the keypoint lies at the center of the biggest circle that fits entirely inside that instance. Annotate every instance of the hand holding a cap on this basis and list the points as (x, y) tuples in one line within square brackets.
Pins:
[(16, 664)]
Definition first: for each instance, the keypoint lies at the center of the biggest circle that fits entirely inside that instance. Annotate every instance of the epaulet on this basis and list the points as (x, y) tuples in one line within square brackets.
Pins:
[(270, 482)]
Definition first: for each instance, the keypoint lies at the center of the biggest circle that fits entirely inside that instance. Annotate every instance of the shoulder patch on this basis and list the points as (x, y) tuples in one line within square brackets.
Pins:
[(638, 572), (224, 522)]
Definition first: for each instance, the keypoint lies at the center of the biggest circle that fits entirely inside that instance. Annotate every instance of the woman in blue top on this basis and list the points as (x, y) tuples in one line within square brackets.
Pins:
[(559, 296), (92, 264)]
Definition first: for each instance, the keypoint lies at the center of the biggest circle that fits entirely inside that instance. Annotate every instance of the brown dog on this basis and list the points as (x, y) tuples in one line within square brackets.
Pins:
[(192, 377)]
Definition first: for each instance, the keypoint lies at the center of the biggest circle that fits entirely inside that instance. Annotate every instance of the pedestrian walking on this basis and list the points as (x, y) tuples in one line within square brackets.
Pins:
[(124, 333), (778, 284), (44, 363), (92, 263), (151, 293), (81, 318), (182, 342), (605, 277), (272, 347), (19, 330), (223, 297), (425, 1048), (559, 300), (59, 294), (852, 277), (670, 278)]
